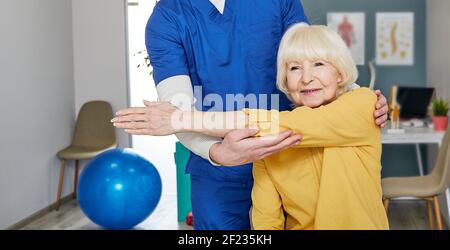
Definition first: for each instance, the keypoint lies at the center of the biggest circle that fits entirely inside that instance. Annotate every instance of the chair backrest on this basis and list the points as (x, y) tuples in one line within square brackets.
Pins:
[(441, 170), (93, 128)]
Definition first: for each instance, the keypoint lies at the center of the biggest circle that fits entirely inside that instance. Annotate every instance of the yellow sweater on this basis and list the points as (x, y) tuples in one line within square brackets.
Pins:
[(332, 179)]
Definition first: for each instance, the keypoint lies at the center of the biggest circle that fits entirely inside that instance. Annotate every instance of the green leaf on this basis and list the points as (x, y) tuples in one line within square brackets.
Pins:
[(440, 107)]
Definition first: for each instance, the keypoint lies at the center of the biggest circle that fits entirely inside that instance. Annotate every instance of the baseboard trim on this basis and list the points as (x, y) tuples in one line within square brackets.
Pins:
[(68, 198), (39, 214)]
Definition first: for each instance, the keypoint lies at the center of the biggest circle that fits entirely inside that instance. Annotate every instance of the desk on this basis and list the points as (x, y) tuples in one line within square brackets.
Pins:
[(414, 136), (417, 136)]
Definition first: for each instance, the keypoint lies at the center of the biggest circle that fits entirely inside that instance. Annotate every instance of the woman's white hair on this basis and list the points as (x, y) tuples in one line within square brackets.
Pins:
[(301, 42)]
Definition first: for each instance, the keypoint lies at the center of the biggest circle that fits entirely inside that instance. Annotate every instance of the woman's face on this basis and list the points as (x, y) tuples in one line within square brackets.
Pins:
[(312, 83)]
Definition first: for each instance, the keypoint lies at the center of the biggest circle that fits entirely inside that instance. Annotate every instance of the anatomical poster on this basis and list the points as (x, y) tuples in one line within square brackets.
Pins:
[(395, 38), (351, 27)]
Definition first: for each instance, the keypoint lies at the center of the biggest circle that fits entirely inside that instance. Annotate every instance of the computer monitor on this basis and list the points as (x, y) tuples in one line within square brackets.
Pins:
[(414, 101)]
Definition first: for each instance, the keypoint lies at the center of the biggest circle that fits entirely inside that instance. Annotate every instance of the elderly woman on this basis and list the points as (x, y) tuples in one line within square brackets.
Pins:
[(332, 179)]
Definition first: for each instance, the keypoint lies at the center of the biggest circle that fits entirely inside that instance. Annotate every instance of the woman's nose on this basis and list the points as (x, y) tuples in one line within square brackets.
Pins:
[(307, 76)]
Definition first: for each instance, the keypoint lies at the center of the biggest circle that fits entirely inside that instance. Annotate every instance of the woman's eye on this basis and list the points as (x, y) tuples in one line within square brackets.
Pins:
[(294, 68), (317, 64)]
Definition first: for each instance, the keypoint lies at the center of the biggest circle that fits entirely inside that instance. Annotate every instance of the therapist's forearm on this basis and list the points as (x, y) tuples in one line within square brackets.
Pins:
[(197, 143)]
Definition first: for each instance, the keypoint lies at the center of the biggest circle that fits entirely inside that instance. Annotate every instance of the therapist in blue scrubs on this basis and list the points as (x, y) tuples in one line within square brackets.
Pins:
[(222, 47)]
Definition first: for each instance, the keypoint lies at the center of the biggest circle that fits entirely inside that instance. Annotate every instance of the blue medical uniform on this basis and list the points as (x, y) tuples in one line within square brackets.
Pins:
[(229, 54)]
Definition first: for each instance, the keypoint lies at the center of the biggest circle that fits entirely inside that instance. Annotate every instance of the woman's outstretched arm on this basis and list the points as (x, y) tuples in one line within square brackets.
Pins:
[(346, 121), (162, 118)]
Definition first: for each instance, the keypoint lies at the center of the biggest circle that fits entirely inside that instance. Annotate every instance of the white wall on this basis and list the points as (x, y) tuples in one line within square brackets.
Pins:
[(55, 56), (36, 103), (438, 46), (100, 65), (438, 62)]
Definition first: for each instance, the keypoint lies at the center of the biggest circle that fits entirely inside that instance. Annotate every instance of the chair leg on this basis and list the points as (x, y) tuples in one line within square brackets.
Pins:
[(386, 204), (75, 180), (430, 213), (437, 212), (61, 177)]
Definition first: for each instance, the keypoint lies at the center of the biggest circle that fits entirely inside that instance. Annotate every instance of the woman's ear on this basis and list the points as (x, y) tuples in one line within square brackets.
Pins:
[(339, 78)]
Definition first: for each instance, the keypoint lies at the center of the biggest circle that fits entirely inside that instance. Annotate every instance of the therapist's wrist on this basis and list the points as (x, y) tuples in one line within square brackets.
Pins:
[(214, 154)]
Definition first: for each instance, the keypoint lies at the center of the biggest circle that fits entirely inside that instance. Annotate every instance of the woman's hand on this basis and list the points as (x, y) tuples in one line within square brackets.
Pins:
[(156, 118)]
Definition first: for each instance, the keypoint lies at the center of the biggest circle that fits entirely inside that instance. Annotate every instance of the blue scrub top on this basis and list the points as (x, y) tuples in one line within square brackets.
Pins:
[(227, 55)]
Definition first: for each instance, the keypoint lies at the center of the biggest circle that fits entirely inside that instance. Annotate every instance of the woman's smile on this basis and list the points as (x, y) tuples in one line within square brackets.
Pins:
[(310, 92)]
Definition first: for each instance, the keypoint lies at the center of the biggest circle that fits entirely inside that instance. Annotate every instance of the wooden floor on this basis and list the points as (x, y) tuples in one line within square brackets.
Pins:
[(403, 215), (70, 217)]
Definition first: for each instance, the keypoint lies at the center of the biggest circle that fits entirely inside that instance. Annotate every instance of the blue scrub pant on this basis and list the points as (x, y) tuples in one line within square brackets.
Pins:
[(220, 204)]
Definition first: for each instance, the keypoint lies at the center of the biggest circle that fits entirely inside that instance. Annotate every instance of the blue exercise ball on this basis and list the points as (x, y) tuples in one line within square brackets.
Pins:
[(118, 189)]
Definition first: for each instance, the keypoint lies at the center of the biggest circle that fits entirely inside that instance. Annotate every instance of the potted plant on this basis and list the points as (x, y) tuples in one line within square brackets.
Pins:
[(143, 61), (440, 110)]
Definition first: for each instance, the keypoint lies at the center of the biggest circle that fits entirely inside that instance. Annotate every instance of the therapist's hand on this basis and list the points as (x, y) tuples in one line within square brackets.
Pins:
[(381, 112), (240, 147)]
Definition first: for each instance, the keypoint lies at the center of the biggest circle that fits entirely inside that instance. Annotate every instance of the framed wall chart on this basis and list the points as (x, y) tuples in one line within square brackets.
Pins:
[(395, 38), (351, 27)]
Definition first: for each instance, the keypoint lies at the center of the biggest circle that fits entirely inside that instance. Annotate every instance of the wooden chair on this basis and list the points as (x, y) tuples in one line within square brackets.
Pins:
[(93, 135), (426, 187)]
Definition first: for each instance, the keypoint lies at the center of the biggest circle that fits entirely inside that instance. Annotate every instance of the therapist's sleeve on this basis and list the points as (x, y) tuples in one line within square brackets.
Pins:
[(292, 12), (168, 90), (171, 74), (347, 121), (164, 46), (267, 211)]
